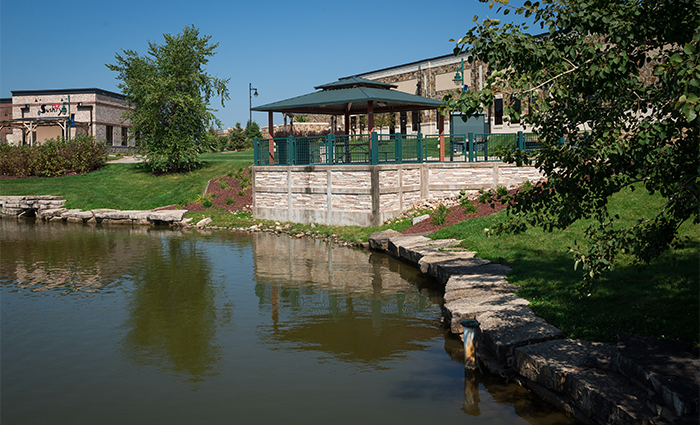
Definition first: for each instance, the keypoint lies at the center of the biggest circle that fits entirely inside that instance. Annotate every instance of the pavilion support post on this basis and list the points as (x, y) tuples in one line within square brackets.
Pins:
[(441, 129), (347, 122), (271, 136), (370, 116)]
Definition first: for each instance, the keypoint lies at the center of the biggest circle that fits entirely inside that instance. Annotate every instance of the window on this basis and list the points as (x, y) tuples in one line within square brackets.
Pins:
[(125, 136), (515, 104), (109, 132), (498, 111)]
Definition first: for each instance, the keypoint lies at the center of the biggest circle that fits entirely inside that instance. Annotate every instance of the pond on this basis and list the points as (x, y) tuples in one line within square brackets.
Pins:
[(141, 325)]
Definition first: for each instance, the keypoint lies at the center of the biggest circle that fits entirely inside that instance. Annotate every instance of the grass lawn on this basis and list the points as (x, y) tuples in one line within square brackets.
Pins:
[(129, 186), (659, 300)]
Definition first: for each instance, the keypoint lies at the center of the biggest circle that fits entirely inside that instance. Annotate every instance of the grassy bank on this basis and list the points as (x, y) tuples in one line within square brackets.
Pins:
[(659, 300), (129, 186)]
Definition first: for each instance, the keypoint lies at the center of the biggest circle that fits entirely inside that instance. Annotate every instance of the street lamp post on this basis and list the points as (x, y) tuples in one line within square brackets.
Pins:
[(459, 78), (63, 109), (252, 91)]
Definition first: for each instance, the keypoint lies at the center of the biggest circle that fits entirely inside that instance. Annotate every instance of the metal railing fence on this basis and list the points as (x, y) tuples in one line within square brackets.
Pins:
[(386, 148)]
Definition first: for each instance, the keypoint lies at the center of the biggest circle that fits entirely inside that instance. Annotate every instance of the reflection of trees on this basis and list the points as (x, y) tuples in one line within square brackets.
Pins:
[(69, 257), (340, 301), (172, 316)]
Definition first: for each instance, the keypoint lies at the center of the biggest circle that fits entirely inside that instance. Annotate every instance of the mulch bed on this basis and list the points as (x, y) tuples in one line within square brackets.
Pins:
[(227, 198), (456, 215)]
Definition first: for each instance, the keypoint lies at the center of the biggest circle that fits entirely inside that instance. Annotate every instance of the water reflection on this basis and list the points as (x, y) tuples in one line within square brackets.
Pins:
[(318, 333), (342, 302), (68, 257), (172, 317)]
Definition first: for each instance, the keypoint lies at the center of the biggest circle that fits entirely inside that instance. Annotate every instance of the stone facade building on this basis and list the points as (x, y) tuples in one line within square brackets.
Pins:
[(432, 78), (34, 116), (436, 77)]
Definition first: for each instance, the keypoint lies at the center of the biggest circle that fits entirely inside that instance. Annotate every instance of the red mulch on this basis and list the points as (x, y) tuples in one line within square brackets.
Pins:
[(456, 215), (219, 196)]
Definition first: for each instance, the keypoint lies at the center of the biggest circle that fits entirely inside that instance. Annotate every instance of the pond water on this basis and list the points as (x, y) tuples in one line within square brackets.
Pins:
[(140, 325)]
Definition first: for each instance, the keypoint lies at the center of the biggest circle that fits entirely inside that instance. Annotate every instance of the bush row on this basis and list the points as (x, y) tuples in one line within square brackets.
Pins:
[(53, 158)]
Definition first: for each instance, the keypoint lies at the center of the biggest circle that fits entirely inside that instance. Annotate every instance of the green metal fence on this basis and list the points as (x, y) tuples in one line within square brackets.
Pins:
[(386, 148)]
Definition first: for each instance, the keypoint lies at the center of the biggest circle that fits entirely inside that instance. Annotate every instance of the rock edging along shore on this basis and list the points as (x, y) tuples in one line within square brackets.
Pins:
[(638, 381), (50, 208)]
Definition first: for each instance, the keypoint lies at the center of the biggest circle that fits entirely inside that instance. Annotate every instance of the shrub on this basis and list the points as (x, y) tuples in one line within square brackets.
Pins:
[(53, 158), (229, 201), (466, 203), (440, 214)]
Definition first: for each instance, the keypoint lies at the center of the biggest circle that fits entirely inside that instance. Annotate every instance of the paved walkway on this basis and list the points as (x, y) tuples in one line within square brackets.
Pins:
[(132, 159)]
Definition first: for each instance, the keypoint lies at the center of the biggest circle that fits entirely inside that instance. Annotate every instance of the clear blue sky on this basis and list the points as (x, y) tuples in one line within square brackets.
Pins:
[(284, 48)]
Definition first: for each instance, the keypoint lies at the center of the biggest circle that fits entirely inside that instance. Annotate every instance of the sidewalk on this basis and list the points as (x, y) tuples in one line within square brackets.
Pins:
[(128, 160)]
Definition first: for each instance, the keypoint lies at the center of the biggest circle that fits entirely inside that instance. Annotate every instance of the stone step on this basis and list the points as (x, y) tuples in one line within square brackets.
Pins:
[(418, 251), (477, 292), (474, 281), (550, 363), (444, 267), (668, 368), (502, 331), (469, 308)]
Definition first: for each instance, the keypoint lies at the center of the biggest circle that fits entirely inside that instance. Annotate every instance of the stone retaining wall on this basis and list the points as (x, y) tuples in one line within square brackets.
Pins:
[(368, 195), (638, 381), (50, 208)]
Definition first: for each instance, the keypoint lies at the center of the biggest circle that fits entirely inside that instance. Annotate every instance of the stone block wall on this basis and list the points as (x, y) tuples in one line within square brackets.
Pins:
[(367, 195)]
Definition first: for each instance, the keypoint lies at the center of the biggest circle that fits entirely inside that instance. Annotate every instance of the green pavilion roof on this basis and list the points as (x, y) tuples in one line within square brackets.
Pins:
[(350, 95)]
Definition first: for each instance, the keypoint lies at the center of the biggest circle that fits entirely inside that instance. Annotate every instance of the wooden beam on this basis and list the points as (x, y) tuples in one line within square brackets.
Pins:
[(370, 117), (271, 134), (441, 129)]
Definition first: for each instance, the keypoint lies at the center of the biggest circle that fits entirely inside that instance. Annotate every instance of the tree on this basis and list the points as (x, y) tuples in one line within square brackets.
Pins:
[(169, 91), (252, 130), (387, 119), (236, 137), (613, 93)]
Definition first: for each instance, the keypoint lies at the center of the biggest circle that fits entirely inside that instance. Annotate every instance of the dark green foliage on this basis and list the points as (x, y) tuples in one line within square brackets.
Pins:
[(170, 92), (626, 72), (229, 201), (440, 214), (252, 130), (53, 158), (237, 138)]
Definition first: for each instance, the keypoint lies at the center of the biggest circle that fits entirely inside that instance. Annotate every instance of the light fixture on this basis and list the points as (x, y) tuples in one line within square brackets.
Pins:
[(459, 76), (250, 96)]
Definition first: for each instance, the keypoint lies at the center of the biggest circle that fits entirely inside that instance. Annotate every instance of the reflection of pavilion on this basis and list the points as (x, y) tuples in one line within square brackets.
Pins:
[(341, 301)]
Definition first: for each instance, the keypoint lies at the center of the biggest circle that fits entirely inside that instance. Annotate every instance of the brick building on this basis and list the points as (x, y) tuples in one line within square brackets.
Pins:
[(33, 116)]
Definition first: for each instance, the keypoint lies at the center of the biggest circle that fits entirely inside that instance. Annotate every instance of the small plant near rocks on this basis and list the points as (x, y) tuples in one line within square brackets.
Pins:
[(229, 201), (440, 214), (241, 192), (205, 200), (466, 203)]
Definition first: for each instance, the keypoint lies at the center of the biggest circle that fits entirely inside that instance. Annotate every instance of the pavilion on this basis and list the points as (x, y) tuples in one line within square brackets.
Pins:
[(352, 96)]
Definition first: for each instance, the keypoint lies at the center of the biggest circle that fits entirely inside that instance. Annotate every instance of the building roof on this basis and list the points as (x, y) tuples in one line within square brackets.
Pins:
[(67, 91), (351, 95)]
